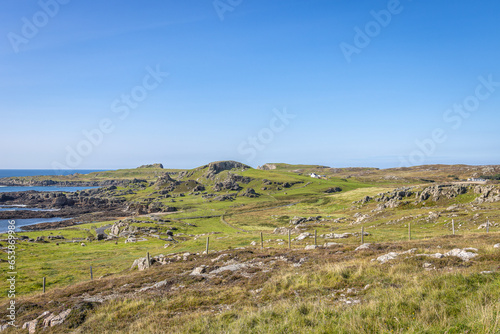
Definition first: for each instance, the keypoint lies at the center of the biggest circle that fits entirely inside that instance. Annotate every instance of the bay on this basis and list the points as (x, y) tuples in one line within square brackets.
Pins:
[(4, 223)]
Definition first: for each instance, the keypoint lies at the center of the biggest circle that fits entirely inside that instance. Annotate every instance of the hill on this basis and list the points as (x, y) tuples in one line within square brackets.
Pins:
[(283, 254)]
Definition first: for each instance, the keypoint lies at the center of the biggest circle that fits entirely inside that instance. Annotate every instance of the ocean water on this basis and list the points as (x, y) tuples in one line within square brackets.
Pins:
[(51, 188), (22, 208), (4, 223), (36, 172)]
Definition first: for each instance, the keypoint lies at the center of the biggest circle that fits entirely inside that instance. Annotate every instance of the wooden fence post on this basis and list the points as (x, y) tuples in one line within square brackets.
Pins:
[(289, 240), (91, 274), (453, 226), (488, 226), (261, 240), (44, 284), (362, 235), (315, 237), (208, 243), (148, 259), (409, 231)]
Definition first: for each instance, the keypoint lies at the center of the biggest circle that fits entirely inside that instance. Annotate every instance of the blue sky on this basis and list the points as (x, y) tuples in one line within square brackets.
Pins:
[(232, 67)]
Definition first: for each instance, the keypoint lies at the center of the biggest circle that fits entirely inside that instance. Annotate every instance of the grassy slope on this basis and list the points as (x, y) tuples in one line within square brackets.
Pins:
[(414, 303)]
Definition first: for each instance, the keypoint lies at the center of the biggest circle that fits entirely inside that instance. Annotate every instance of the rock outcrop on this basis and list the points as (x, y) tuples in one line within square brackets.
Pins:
[(158, 165)]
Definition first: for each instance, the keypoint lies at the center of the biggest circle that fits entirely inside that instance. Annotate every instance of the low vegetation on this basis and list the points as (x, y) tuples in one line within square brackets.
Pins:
[(241, 287)]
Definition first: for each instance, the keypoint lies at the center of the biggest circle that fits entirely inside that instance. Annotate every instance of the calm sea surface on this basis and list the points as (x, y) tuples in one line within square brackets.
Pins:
[(36, 172), (4, 223)]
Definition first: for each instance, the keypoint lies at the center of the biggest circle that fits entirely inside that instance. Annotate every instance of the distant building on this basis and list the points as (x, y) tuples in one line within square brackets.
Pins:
[(316, 176), (473, 179)]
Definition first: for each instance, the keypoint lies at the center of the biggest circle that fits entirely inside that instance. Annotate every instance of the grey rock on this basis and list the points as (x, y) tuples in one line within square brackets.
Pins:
[(364, 246)]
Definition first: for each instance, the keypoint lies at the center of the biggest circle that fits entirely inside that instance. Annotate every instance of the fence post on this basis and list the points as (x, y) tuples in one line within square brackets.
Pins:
[(409, 231), (453, 226), (148, 259), (261, 240), (362, 235), (91, 274), (208, 243), (289, 240), (315, 237), (44, 284), (488, 226)]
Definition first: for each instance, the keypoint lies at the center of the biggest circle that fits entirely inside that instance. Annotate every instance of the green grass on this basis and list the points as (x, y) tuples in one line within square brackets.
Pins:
[(401, 297)]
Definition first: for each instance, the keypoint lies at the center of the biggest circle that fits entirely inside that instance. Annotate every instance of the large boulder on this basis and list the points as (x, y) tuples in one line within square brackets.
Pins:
[(250, 192), (142, 263)]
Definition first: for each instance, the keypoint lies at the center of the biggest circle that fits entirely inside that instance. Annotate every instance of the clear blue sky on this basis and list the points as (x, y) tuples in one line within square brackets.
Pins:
[(228, 77)]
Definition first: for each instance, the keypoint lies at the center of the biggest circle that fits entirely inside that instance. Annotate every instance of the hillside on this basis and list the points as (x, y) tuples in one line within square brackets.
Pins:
[(430, 250)]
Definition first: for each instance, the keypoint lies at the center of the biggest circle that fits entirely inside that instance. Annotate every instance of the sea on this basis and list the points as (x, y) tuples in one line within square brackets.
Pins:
[(4, 223)]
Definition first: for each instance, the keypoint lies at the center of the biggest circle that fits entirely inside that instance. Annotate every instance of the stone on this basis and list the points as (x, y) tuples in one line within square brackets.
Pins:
[(297, 220), (253, 243), (387, 257), (198, 270), (30, 326), (280, 230), (250, 192), (141, 264), (331, 244), (60, 318), (461, 253), (83, 244), (310, 247), (231, 267), (496, 246), (303, 236), (46, 321), (341, 236), (364, 246), (220, 257), (333, 190)]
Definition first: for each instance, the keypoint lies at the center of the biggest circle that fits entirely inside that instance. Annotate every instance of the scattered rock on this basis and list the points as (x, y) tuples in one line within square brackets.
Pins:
[(309, 247), (141, 264), (231, 267), (303, 236), (364, 246), (30, 326), (250, 192), (333, 190), (393, 255), (336, 236), (220, 257), (280, 230), (198, 270), (297, 220), (331, 244), (387, 257), (461, 253)]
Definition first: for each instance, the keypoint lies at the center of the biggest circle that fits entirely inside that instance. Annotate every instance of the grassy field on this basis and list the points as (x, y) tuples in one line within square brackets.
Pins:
[(333, 289)]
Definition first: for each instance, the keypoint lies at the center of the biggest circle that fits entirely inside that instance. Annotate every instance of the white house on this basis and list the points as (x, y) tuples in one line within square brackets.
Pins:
[(473, 179)]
